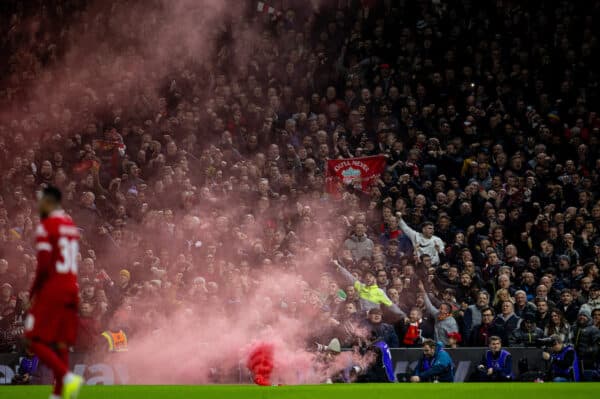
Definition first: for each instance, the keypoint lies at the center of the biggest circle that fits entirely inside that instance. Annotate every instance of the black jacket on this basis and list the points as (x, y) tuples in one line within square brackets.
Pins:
[(570, 311), (586, 341), (506, 327), (480, 334), (522, 337)]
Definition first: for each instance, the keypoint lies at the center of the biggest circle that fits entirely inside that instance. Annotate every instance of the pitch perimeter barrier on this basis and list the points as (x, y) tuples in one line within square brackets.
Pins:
[(465, 362)]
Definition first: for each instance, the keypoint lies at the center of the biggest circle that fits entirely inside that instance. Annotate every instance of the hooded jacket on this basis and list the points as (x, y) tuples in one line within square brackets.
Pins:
[(361, 247), (586, 341), (522, 337), (439, 367)]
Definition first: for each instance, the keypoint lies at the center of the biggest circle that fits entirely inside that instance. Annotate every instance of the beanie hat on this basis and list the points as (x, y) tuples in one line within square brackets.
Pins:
[(585, 312), (125, 273)]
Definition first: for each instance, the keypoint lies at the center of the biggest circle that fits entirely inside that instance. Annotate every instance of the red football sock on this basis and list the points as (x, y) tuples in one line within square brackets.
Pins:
[(63, 354), (51, 359)]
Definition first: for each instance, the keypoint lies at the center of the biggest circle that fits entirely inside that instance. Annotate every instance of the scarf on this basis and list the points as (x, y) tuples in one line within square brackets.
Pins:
[(412, 334), (441, 317)]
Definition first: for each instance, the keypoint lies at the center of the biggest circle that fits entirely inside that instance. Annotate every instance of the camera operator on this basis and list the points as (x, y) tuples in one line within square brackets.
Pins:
[(381, 368), (564, 366), (325, 357), (27, 368), (496, 364)]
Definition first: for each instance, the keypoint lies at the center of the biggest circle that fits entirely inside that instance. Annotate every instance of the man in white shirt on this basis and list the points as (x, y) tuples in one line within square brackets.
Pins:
[(425, 243)]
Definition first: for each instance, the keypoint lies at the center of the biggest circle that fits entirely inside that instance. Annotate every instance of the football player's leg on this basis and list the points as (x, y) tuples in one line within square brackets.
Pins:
[(71, 385), (50, 358), (63, 354)]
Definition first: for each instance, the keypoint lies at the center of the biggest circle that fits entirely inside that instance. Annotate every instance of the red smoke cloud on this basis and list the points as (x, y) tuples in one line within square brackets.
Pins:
[(119, 62), (260, 363)]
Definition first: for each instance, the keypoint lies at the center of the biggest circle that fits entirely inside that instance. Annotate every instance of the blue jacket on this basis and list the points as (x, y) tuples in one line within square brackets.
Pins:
[(438, 367)]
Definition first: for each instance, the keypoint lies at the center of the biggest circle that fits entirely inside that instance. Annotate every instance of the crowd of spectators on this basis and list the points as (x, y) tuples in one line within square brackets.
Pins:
[(485, 222)]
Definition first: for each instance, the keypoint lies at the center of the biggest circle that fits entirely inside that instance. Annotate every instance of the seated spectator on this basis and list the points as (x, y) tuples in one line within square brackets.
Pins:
[(507, 321), (542, 313), (522, 306), (558, 325), (435, 365), (527, 334), (502, 295), (480, 334), (593, 301), (596, 317), (585, 338), (504, 283), (568, 306), (541, 292), (528, 285)]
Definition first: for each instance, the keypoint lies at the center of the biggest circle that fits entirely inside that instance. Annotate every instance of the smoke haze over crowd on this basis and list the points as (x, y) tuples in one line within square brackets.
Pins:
[(124, 58), (190, 140)]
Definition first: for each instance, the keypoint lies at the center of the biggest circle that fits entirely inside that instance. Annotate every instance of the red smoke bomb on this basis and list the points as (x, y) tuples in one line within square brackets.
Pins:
[(260, 362)]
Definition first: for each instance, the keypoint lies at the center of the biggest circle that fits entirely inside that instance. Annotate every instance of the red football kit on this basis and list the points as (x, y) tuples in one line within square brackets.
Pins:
[(53, 317)]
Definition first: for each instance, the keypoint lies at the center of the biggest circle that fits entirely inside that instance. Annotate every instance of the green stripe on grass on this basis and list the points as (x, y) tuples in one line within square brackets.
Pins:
[(345, 391)]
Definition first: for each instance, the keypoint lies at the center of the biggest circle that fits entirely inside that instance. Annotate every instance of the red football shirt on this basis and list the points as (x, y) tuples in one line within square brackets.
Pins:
[(57, 245)]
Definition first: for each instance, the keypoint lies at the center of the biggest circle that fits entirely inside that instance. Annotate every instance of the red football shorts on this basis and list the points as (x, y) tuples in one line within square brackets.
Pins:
[(52, 322)]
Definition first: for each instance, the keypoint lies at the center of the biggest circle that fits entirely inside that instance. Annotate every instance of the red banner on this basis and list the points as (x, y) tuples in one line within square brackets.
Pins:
[(357, 172)]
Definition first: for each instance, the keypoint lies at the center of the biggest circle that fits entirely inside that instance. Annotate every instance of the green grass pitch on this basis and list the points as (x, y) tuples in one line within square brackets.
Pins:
[(345, 391)]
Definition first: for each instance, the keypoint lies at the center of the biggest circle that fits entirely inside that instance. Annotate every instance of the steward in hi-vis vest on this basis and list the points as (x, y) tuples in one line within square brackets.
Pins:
[(117, 341)]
